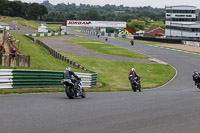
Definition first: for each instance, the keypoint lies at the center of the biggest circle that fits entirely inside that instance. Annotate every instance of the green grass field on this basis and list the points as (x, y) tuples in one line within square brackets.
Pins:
[(104, 48), (114, 74)]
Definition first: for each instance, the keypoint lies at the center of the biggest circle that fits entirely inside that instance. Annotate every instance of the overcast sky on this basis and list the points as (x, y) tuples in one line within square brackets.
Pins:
[(130, 3)]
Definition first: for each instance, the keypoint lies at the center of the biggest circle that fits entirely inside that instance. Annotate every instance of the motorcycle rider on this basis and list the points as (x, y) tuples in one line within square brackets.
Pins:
[(68, 75), (132, 42), (132, 75), (196, 77)]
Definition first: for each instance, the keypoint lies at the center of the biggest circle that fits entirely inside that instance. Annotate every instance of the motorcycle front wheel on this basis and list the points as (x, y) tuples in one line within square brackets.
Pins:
[(134, 88), (198, 85), (70, 92)]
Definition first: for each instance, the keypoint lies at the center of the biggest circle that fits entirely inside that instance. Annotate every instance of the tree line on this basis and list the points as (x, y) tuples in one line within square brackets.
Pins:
[(31, 11), (62, 12), (139, 18)]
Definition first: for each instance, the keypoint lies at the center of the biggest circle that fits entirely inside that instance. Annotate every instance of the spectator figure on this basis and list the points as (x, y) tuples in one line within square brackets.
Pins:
[(1, 47), (13, 51), (98, 35)]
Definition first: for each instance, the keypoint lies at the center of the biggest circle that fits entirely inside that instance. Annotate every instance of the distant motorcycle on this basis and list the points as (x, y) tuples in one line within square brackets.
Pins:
[(135, 84), (196, 78), (72, 91), (132, 42)]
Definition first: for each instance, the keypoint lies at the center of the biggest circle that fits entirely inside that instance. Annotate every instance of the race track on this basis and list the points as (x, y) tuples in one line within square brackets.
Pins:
[(172, 108)]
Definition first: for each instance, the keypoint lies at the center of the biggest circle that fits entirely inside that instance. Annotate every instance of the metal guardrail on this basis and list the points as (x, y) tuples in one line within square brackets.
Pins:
[(46, 34), (18, 78)]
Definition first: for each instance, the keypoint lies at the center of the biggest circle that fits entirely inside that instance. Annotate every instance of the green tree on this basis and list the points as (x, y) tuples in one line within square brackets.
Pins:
[(42, 11), (34, 11), (157, 24), (137, 24), (71, 16), (92, 14)]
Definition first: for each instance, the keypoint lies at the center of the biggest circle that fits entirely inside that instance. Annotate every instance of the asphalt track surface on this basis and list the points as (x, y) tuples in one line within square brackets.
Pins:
[(172, 108)]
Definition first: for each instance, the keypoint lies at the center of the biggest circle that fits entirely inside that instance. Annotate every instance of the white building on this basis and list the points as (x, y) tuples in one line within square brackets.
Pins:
[(4, 25), (43, 29), (182, 22)]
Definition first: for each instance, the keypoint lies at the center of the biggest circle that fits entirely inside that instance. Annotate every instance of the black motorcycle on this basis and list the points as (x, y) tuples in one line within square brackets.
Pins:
[(72, 91), (132, 42), (135, 84), (196, 78)]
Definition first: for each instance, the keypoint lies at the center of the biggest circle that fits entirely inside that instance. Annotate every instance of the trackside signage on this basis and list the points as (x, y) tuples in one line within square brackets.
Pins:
[(96, 23)]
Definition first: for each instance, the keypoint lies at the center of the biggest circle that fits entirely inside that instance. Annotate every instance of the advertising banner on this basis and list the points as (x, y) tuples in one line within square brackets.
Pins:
[(96, 23)]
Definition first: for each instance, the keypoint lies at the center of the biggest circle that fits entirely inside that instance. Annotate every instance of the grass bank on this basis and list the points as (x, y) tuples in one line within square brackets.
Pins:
[(21, 21), (40, 58)]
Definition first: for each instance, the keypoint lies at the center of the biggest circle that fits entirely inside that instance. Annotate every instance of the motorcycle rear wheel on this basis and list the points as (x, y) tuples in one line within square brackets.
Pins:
[(70, 92), (83, 93)]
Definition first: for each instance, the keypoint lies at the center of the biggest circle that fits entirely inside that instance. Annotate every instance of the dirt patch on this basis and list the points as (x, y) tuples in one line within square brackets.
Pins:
[(97, 85), (182, 47)]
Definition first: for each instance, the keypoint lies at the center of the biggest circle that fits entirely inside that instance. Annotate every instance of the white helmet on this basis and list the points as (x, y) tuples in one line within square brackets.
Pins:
[(68, 69)]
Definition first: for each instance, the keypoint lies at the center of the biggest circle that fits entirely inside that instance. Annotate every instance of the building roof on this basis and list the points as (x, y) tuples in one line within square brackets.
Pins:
[(181, 6), (153, 29)]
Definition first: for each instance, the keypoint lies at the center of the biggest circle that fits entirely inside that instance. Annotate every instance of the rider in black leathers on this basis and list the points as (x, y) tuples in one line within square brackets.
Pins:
[(132, 75), (132, 42), (68, 75), (196, 77)]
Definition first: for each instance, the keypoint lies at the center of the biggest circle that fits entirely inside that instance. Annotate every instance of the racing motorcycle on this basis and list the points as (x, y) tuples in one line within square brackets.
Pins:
[(72, 91), (196, 78), (135, 84)]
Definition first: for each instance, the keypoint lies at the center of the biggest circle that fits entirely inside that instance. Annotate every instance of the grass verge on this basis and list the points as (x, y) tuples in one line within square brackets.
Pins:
[(104, 48), (31, 90)]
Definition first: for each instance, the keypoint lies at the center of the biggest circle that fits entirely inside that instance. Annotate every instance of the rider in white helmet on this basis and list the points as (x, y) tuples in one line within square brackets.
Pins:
[(68, 75)]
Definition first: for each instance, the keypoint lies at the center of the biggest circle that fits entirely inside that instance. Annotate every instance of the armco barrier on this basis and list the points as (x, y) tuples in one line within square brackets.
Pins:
[(46, 34), (17, 78)]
